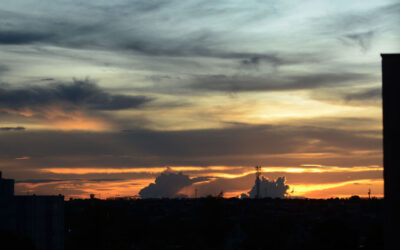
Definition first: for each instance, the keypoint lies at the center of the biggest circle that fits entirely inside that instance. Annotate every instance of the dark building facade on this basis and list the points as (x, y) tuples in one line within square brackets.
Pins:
[(391, 148), (7, 204), (38, 218)]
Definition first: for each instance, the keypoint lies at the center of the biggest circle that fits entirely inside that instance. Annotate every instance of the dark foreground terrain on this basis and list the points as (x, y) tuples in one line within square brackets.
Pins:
[(212, 223)]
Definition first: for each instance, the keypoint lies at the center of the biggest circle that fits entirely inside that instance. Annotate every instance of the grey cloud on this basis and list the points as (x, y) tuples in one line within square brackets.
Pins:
[(101, 33), (361, 20), (255, 60), (362, 39), (12, 128), (230, 146), (79, 93), (272, 59), (192, 47), (360, 27), (3, 69), (36, 181), (276, 83), (277, 59), (186, 49), (365, 95), (23, 37)]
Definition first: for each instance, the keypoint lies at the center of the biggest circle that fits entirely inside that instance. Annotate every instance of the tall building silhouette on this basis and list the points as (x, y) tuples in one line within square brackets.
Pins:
[(36, 217), (391, 148), (7, 204)]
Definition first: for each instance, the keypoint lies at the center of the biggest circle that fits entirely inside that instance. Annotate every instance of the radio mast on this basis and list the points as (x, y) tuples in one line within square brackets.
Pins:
[(258, 173)]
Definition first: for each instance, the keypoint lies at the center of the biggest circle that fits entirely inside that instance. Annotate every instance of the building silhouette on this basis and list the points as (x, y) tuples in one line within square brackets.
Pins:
[(391, 149), (40, 219)]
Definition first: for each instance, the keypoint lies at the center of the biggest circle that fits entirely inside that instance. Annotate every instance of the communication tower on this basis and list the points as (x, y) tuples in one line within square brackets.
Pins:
[(258, 173)]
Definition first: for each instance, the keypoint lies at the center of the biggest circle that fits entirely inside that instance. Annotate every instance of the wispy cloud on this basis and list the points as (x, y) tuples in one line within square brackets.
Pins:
[(361, 39), (276, 82), (365, 95)]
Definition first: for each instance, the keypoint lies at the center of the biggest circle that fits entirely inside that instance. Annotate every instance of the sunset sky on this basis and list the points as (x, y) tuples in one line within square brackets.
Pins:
[(102, 96)]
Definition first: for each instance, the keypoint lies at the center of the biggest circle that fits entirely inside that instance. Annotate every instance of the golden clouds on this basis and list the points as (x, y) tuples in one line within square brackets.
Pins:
[(77, 121), (56, 118), (78, 170)]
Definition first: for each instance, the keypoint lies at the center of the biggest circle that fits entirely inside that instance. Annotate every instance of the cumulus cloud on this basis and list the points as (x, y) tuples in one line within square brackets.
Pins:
[(273, 189), (168, 185)]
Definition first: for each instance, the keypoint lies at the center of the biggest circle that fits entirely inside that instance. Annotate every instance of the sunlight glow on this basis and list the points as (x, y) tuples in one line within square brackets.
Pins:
[(306, 190), (305, 168), (131, 170)]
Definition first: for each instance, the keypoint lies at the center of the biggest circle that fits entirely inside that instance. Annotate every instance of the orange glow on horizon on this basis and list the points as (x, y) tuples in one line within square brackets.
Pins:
[(325, 191), (129, 187), (131, 170), (82, 189), (246, 171), (303, 189)]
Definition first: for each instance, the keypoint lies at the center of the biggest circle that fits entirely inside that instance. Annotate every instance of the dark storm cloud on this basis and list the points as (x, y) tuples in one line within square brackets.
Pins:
[(190, 147), (276, 83), (79, 93)]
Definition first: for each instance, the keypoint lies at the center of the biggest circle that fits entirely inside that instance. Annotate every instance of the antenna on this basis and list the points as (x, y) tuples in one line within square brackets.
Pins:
[(369, 193), (258, 173)]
